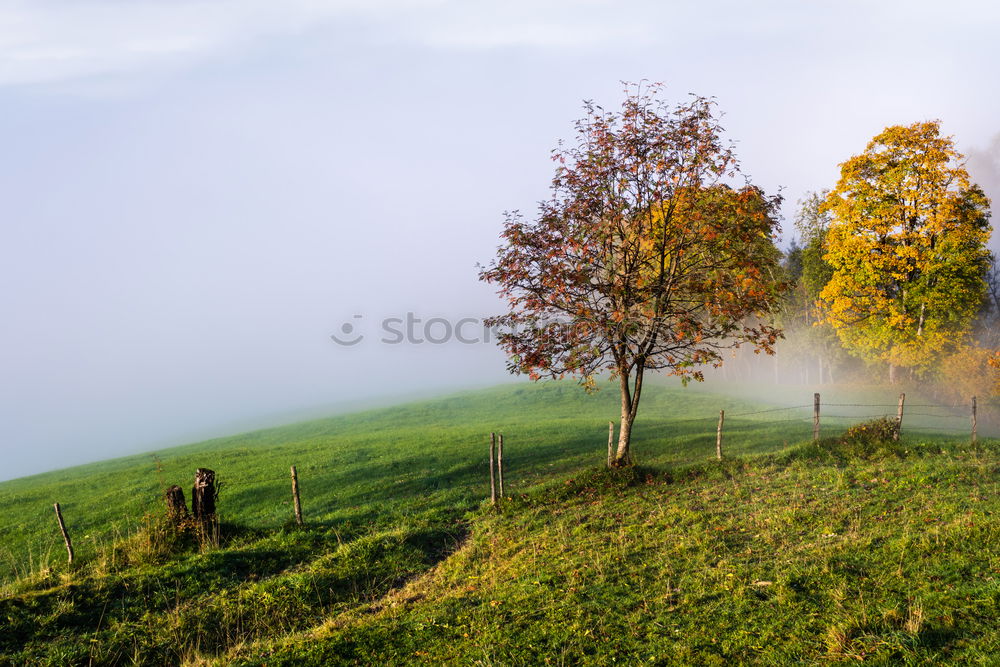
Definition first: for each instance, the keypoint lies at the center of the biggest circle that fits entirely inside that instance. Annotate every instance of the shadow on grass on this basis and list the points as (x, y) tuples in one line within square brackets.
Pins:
[(288, 579)]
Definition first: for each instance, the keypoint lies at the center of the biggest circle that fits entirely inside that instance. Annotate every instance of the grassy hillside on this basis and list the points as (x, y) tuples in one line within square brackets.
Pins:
[(396, 532), (806, 558), (410, 458)]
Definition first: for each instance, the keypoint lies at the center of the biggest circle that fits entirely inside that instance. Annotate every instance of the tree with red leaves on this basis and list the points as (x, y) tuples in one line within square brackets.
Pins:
[(644, 258)]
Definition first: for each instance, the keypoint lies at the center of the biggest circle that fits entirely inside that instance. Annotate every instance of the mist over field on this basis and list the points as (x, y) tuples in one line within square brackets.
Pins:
[(197, 196)]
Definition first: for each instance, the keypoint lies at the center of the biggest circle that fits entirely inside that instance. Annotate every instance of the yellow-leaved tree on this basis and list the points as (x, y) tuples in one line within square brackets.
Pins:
[(907, 242), (995, 365)]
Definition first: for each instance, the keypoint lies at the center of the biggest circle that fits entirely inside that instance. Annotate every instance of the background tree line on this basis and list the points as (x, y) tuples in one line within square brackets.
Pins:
[(890, 273)]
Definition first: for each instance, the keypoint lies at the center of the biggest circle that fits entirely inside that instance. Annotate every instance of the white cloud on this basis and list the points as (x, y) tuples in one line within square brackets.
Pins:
[(66, 40), (46, 40), (552, 24)]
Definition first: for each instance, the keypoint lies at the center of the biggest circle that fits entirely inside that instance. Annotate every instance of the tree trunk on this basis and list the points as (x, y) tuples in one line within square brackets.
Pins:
[(630, 405), (892, 374), (623, 455)]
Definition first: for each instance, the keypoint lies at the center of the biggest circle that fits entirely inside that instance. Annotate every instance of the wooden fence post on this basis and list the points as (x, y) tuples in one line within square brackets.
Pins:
[(65, 534), (295, 496), (718, 435), (973, 420), (500, 463), (899, 418), (493, 479), (177, 511), (815, 417), (611, 439), (203, 495)]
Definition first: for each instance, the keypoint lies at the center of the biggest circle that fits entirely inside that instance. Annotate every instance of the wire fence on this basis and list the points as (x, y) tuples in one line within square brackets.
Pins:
[(906, 417), (820, 419), (746, 432)]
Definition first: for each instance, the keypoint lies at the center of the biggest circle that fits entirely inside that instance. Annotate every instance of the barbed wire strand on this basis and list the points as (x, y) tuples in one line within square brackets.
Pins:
[(760, 412), (927, 414)]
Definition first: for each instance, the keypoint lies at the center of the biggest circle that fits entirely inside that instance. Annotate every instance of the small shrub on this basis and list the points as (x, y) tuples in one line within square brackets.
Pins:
[(865, 441), (870, 439), (873, 432)]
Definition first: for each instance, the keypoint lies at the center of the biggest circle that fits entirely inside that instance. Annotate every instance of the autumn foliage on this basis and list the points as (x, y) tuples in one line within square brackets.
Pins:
[(907, 247), (646, 256), (994, 363), (967, 371)]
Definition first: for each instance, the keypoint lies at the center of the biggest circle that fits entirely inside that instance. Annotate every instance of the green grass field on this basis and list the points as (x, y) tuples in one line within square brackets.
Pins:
[(786, 553)]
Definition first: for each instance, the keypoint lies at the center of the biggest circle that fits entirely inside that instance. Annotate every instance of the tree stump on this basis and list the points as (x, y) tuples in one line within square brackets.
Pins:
[(203, 495), (177, 511)]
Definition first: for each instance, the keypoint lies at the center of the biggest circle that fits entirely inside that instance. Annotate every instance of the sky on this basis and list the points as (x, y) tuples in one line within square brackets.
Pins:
[(197, 195)]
